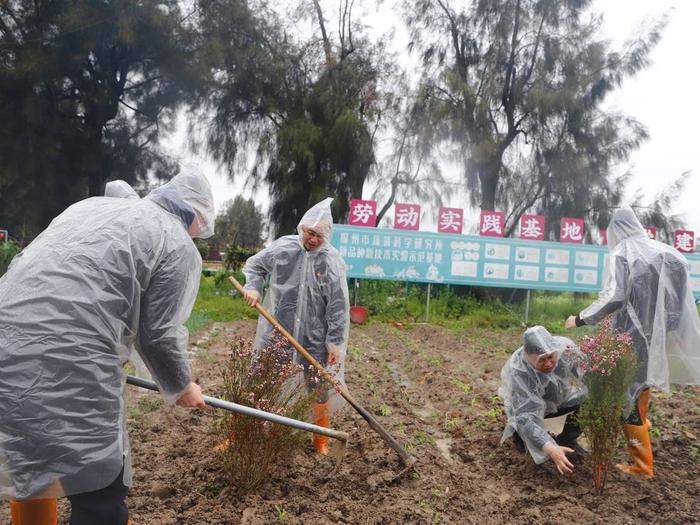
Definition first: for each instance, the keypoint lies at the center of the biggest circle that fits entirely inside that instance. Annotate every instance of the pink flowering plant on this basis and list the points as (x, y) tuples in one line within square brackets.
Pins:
[(609, 364), (268, 381)]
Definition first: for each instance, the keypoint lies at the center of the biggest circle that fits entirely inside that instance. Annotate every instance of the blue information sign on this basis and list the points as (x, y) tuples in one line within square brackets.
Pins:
[(373, 253)]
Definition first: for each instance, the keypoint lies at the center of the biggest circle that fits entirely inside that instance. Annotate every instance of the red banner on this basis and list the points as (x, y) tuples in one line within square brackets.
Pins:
[(407, 216), (532, 227), (571, 230), (491, 223), (684, 241), (651, 232), (362, 213), (450, 220)]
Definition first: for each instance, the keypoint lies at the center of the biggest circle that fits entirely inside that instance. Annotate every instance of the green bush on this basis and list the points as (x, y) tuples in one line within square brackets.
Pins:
[(236, 256), (8, 250)]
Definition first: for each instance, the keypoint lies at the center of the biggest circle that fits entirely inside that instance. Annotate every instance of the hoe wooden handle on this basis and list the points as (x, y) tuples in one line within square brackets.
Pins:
[(406, 458)]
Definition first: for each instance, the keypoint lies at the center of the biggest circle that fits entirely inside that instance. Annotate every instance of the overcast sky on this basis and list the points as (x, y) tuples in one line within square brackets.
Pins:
[(664, 98)]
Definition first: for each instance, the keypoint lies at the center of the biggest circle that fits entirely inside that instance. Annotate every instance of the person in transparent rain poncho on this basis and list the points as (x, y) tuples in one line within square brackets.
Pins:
[(646, 290), (308, 295), (103, 271), (542, 380)]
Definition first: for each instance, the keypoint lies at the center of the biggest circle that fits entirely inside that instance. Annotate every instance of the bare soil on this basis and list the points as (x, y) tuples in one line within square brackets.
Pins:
[(435, 391)]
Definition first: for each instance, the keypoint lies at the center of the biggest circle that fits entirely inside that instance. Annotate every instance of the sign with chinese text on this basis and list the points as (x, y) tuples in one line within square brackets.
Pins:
[(450, 220), (532, 227), (651, 232), (407, 216), (476, 260), (571, 230), (362, 213), (491, 223), (684, 241)]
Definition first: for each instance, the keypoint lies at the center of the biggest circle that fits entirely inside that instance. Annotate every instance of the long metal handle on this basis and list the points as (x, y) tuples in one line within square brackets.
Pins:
[(406, 458), (253, 412)]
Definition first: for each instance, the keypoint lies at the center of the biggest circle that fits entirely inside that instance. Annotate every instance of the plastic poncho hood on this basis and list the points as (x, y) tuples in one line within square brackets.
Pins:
[(529, 395), (188, 196), (646, 288), (307, 292), (537, 340), (624, 225), (319, 218), (104, 272), (120, 189)]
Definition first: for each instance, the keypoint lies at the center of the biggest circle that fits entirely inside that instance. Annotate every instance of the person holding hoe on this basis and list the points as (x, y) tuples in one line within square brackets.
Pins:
[(103, 273), (308, 295), (541, 380), (647, 292)]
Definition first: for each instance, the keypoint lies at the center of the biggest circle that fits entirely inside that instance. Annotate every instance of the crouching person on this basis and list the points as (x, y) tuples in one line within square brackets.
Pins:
[(542, 380)]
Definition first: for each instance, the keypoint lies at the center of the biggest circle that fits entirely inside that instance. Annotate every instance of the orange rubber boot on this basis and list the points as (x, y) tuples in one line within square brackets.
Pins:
[(321, 419), (34, 512), (639, 442)]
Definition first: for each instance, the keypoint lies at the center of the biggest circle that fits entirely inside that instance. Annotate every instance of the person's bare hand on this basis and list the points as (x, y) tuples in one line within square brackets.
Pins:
[(251, 297), (570, 322), (191, 397), (333, 354), (558, 456)]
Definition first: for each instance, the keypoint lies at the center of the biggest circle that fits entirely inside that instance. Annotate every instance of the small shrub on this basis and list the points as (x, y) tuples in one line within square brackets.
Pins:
[(8, 250), (609, 363), (270, 382)]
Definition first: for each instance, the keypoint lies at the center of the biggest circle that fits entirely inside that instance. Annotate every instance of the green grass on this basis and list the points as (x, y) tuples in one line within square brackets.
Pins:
[(455, 308), (215, 303), (459, 308)]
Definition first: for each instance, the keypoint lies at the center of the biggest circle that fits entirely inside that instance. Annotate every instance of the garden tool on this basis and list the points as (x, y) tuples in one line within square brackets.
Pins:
[(408, 460), (639, 441), (336, 451), (34, 512)]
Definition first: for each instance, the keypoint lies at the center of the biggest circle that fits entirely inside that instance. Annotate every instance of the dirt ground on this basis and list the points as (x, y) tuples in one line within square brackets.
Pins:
[(435, 391)]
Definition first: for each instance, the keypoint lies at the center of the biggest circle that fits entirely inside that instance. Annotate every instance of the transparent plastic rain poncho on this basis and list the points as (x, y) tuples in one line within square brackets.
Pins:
[(529, 395), (104, 270), (307, 294), (647, 290), (120, 189)]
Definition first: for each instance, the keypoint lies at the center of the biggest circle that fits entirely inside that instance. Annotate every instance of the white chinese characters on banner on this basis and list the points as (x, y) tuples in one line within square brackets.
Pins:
[(491, 223), (684, 241), (407, 216), (362, 213), (571, 230), (651, 232), (450, 220), (532, 227)]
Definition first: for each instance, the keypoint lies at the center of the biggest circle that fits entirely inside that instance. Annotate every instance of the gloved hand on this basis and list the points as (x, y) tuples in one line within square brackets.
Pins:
[(334, 352)]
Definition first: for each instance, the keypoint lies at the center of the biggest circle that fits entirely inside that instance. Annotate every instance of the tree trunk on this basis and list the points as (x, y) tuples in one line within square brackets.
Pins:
[(488, 180)]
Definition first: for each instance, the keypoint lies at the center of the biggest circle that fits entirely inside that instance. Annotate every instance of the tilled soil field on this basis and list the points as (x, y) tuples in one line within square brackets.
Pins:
[(435, 391)]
